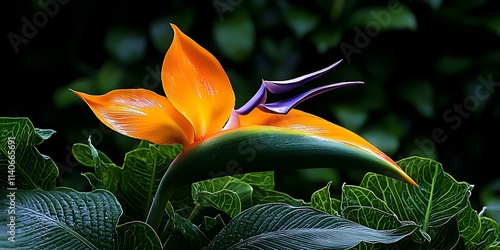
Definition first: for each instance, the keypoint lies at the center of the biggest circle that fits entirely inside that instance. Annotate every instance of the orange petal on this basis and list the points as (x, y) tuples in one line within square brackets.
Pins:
[(310, 124), (197, 85), (141, 114)]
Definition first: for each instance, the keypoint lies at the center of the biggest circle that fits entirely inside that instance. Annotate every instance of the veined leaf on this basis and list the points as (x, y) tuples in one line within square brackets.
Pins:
[(138, 178), (264, 180), (29, 169), (141, 173), (111, 173), (60, 219), (137, 235), (438, 199), (321, 200), (83, 155), (281, 226), (227, 194), (261, 196), (180, 233), (363, 206)]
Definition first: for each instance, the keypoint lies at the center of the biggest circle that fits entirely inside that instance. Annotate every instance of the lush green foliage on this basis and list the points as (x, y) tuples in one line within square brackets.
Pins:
[(232, 212), (430, 68), (430, 73)]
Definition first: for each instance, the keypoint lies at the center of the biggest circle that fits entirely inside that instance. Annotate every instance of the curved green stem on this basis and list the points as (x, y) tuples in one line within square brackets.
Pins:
[(257, 149), (165, 190)]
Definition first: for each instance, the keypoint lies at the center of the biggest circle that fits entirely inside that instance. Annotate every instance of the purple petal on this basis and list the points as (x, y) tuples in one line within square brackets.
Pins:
[(259, 98), (284, 106), (279, 87)]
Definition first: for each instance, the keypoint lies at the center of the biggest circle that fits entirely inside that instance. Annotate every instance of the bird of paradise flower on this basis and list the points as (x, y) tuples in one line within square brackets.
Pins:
[(198, 112)]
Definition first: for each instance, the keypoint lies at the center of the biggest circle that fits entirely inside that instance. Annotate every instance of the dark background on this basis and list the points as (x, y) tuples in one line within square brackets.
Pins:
[(424, 72)]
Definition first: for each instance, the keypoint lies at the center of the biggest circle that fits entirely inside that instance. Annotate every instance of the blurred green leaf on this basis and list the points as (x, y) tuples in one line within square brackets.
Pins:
[(109, 77), (350, 117), (235, 36), (434, 4), (125, 44), (385, 140), (373, 20), (450, 65), (162, 34), (63, 97), (420, 94), (489, 196), (493, 23), (325, 39), (301, 21)]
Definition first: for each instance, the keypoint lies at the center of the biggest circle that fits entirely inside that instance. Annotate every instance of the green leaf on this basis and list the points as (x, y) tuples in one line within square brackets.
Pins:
[(162, 34), (263, 180), (438, 199), (126, 45), (363, 206), (98, 166), (469, 225), (111, 173), (452, 65), (136, 235), (44, 134), (382, 138), (235, 36), (209, 222), (420, 94), (371, 21), (300, 20), (261, 196), (490, 234), (477, 231), (281, 226), (60, 219), (23, 166), (180, 233), (135, 183), (83, 155), (321, 200), (109, 77), (326, 38), (227, 194), (63, 97), (141, 173), (350, 117)]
